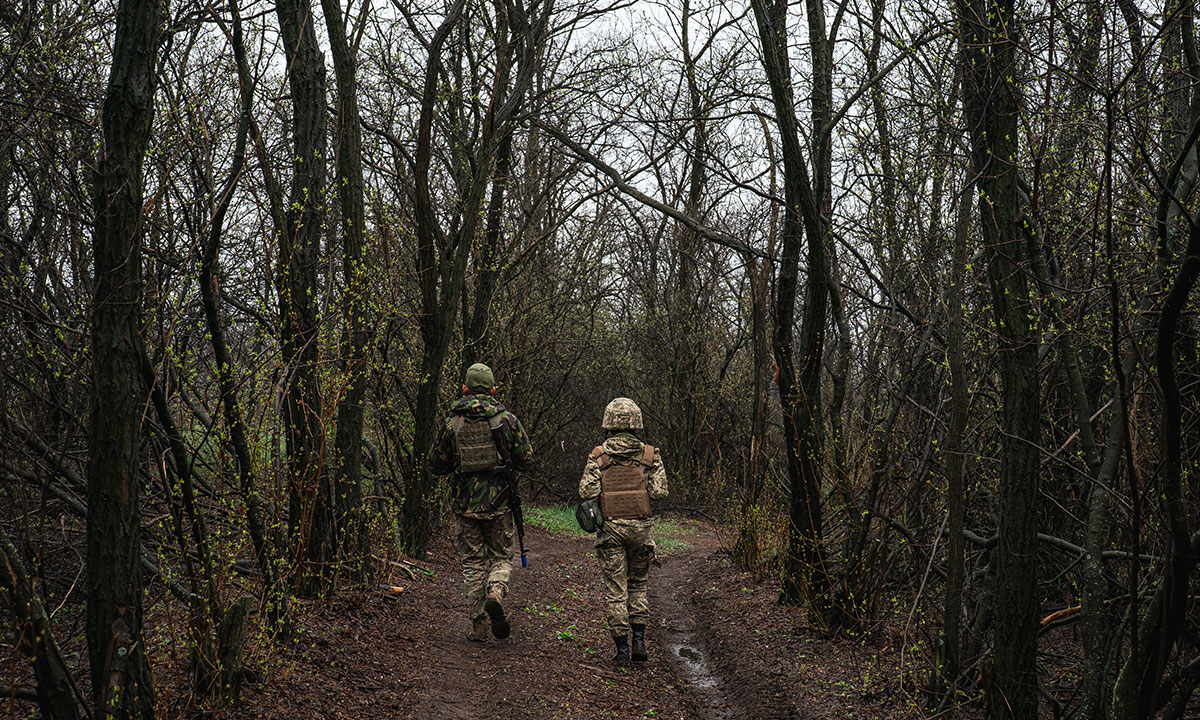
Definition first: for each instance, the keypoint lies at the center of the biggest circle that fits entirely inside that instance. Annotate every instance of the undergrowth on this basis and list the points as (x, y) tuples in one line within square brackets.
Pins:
[(560, 520)]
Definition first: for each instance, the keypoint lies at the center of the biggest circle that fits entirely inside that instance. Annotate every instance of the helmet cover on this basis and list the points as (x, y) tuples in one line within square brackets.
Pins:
[(622, 414)]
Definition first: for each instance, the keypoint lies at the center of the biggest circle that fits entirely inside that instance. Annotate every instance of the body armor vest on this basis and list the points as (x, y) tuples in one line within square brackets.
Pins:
[(476, 447), (623, 493)]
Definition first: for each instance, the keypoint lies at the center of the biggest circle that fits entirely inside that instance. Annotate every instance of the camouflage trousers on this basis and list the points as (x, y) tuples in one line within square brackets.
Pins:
[(485, 551), (624, 551)]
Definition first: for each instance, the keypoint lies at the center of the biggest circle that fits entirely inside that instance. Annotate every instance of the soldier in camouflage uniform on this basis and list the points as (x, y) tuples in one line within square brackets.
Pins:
[(471, 444), (625, 474)]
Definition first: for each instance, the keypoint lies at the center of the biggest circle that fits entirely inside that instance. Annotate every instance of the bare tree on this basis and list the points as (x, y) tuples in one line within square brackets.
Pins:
[(121, 680), (806, 210), (990, 96), (350, 518), (310, 501), (442, 256)]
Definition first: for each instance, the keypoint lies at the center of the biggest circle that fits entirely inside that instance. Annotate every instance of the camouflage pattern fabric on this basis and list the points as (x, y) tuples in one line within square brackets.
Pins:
[(624, 552), (485, 551), (625, 548), (471, 492), (622, 414)]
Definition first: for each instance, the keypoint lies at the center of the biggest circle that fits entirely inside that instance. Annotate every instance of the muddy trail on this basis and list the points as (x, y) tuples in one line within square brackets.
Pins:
[(720, 647)]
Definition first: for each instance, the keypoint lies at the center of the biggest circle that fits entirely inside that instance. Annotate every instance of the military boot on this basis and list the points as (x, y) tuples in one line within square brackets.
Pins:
[(622, 656), (639, 642), (479, 630), (495, 611)]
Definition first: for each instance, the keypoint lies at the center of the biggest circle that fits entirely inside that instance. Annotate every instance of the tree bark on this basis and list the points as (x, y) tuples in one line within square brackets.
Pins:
[(121, 681), (990, 109), (309, 497)]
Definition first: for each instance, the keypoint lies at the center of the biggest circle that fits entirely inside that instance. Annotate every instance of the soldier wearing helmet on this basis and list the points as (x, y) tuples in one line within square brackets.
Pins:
[(625, 474), (477, 436)]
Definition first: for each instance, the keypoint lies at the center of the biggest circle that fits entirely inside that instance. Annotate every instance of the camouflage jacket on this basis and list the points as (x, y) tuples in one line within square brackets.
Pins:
[(472, 492), (624, 445)]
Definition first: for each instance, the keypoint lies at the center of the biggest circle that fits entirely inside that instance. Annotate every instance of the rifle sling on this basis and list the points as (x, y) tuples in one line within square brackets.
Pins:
[(502, 447)]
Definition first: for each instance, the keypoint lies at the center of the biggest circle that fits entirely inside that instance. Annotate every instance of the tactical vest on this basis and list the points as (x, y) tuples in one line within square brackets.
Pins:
[(477, 450), (623, 493)]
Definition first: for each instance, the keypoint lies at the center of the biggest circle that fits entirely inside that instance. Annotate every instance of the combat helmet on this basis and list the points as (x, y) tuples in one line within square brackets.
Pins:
[(622, 414)]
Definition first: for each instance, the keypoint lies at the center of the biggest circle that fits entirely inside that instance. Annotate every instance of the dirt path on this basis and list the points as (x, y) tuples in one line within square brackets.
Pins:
[(555, 664), (720, 648), (682, 635)]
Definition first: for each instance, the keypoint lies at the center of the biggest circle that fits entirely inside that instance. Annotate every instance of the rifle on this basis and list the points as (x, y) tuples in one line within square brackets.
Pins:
[(509, 473)]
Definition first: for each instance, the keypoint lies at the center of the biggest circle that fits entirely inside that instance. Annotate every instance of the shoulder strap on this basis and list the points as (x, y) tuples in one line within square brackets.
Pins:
[(648, 453), (600, 457), (498, 435)]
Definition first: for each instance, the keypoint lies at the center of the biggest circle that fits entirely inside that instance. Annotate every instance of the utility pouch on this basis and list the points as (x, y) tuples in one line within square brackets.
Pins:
[(587, 514)]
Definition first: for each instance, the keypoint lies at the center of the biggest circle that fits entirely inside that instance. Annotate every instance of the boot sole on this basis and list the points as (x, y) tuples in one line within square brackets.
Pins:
[(495, 612), (640, 657)]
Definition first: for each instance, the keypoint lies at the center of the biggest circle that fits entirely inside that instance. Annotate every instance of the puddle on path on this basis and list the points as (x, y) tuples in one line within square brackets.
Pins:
[(695, 666), (684, 639), (688, 655)]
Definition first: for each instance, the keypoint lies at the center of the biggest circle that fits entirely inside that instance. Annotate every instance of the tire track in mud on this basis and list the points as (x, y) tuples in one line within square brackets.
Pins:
[(683, 635)]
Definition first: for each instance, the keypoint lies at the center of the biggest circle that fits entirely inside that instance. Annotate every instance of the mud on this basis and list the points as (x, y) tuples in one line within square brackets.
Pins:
[(684, 641), (720, 647)]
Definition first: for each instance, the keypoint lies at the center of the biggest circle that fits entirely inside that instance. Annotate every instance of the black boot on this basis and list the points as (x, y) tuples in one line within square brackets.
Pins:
[(639, 642), (622, 656)]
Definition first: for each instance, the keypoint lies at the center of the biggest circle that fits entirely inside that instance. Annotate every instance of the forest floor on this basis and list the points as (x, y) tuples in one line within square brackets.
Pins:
[(720, 647)]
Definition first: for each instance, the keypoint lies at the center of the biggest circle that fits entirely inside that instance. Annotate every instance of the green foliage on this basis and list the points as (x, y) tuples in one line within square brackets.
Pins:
[(554, 519), (669, 533)]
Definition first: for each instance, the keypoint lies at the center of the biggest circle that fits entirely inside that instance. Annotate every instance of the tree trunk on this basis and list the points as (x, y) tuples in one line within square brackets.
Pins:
[(121, 682), (952, 454), (266, 546), (350, 519), (441, 278), (1137, 693), (436, 310), (56, 692), (990, 108), (477, 346), (204, 604), (309, 497), (805, 575)]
